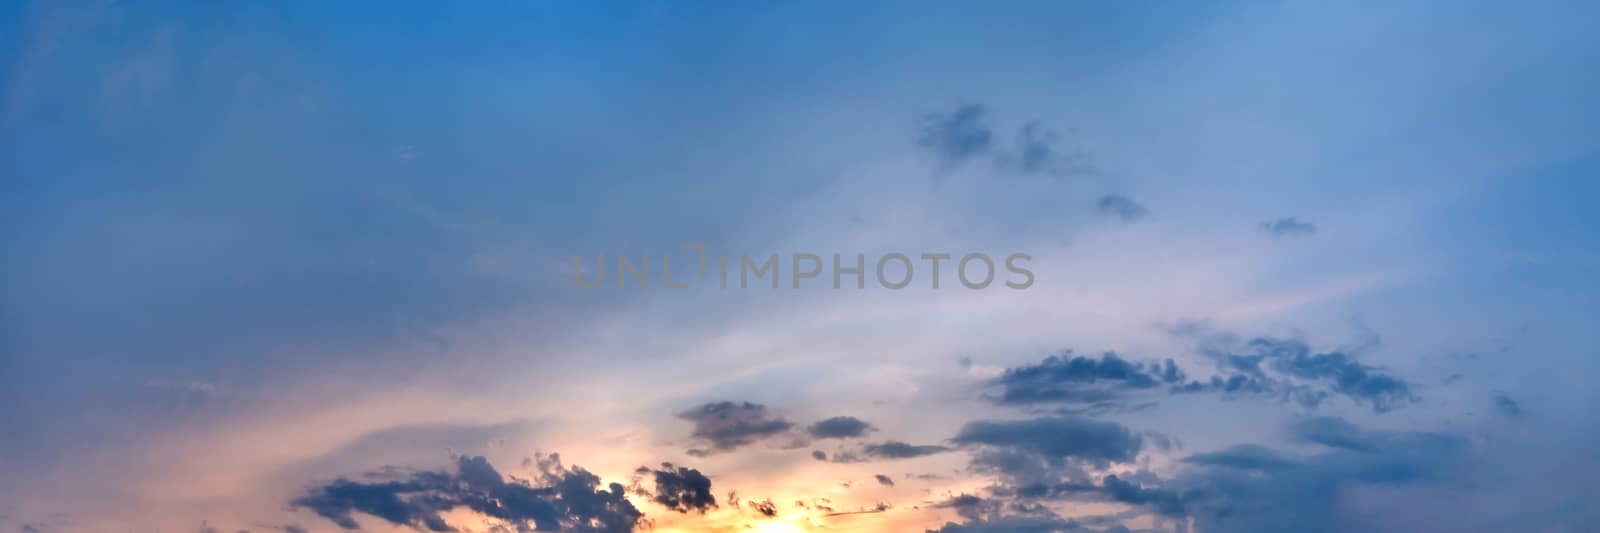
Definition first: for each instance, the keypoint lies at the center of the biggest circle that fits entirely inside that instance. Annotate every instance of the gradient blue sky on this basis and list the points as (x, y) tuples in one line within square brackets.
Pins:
[(248, 249)]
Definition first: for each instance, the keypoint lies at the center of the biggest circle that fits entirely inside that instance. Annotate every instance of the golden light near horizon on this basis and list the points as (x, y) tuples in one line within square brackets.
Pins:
[(776, 526)]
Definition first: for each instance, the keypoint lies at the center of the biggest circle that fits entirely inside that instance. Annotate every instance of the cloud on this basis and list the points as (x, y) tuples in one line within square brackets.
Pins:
[(1252, 489), (1288, 227), (840, 427), (682, 489), (1354, 380), (765, 507), (1070, 378), (956, 137), (1121, 207), (562, 498), (1504, 405), (1244, 457), (1036, 154), (1244, 488), (884, 480), (878, 508), (729, 425), (1287, 370), (981, 515), (1333, 432), (853, 457), (899, 450), (1055, 440)]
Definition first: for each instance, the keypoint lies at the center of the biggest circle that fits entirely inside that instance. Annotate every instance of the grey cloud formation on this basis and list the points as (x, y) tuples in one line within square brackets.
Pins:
[(1338, 371), (899, 450), (681, 489), (1121, 207), (957, 137), (1249, 488), (729, 425), (884, 480), (1288, 227), (840, 427), (563, 499), (1055, 440), (1286, 370), (1071, 378)]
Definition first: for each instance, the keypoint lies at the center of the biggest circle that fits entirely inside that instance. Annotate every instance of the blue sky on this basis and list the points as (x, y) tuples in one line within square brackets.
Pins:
[(258, 259)]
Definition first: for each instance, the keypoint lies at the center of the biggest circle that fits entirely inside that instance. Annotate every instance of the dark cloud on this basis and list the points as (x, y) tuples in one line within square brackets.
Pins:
[(682, 489), (729, 425), (1163, 501), (1055, 440), (884, 480), (1339, 370), (1121, 207), (1290, 370), (563, 498), (840, 427), (1287, 370), (819, 455), (970, 507), (957, 137), (1079, 379), (765, 507), (899, 450), (1288, 227)]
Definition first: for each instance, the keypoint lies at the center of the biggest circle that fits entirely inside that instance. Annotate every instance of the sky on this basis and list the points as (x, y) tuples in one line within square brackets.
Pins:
[(402, 266)]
